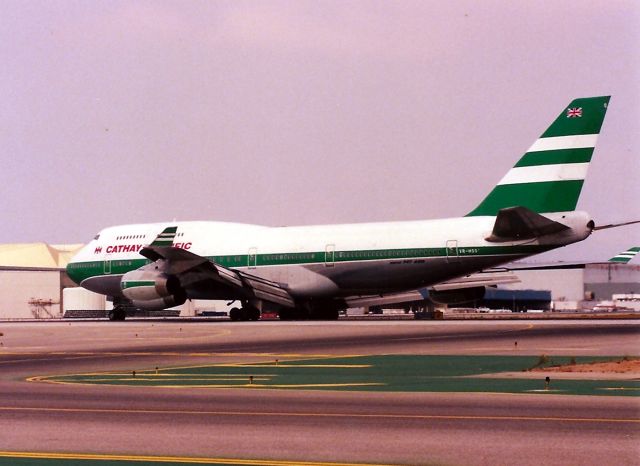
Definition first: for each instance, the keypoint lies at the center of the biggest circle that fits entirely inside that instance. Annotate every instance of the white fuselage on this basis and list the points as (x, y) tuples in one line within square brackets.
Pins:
[(327, 260)]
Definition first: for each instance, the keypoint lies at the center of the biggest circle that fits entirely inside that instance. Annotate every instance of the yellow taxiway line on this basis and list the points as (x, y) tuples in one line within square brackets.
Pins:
[(169, 459), (274, 361), (324, 415)]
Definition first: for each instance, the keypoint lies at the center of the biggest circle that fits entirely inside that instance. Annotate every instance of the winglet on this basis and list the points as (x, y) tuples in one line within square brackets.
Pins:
[(626, 256), (166, 237), (549, 176)]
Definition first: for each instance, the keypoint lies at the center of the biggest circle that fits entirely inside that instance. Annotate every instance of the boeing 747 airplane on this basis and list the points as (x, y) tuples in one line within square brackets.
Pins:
[(315, 271)]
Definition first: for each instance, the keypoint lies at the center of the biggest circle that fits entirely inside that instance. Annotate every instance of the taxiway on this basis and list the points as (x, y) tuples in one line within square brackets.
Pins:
[(303, 425)]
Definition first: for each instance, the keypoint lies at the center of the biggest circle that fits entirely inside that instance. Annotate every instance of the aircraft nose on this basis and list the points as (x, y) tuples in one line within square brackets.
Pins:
[(77, 267), (72, 272)]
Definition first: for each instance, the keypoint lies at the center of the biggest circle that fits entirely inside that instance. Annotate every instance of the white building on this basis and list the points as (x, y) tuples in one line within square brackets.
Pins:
[(32, 278), (572, 284), (34, 284)]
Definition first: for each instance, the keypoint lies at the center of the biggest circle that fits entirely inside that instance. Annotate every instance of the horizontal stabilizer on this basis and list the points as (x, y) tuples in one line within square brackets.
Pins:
[(485, 278), (520, 223), (621, 258), (386, 299), (491, 277), (615, 225)]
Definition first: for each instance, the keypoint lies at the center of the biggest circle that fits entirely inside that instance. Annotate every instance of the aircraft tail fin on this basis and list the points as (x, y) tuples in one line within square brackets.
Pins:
[(549, 177), (626, 256)]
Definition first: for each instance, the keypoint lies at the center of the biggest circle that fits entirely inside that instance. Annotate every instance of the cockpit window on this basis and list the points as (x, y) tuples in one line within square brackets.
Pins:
[(96, 237)]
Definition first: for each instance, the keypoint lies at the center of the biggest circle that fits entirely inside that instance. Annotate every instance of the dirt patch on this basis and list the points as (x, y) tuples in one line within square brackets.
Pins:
[(623, 366), (623, 369)]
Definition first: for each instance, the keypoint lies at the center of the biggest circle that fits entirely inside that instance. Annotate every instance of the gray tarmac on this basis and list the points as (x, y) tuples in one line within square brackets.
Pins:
[(296, 426)]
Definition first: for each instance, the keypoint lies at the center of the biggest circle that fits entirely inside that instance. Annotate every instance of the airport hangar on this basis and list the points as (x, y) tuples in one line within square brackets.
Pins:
[(34, 284)]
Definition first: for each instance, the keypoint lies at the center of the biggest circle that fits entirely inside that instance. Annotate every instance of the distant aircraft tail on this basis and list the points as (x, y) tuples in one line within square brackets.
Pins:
[(626, 256), (549, 177)]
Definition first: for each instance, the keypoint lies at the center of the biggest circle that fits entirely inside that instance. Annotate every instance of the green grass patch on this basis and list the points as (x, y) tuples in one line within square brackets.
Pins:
[(389, 373)]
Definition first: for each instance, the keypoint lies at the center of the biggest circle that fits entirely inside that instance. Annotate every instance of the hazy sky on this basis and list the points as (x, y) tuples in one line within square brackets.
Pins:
[(284, 113)]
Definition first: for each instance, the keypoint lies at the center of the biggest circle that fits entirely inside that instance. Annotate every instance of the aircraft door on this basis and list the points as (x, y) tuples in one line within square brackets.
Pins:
[(329, 255), (252, 258), (452, 251), (107, 264)]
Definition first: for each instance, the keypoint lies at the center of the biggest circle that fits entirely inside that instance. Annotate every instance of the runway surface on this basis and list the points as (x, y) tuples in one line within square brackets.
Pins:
[(296, 426)]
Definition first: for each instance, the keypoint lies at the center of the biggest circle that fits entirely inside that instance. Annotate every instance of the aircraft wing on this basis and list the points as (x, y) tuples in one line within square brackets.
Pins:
[(191, 268), (621, 258), (490, 277)]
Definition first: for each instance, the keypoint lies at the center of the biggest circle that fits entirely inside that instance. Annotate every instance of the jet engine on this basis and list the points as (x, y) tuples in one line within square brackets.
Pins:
[(457, 296), (152, 290)]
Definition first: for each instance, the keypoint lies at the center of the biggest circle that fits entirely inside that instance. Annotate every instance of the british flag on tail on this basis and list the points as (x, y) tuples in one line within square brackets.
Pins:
[(575, 112)]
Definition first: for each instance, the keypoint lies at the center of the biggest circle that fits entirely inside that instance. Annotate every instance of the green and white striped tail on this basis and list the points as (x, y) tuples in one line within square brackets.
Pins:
[(626, 256), (549, 177)]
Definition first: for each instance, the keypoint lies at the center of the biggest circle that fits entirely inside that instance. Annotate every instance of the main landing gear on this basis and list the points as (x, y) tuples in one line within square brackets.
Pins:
[(246, 312), (117, 313), (305, 311), (326, 312)]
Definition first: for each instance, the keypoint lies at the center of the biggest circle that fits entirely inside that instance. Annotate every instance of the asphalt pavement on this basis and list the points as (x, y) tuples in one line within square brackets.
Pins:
[(293, 426)]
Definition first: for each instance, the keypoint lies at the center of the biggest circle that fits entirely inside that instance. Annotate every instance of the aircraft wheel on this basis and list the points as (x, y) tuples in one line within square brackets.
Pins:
[(325, 314), (117, 314), (235, 314), (253, 314), (331, 314)]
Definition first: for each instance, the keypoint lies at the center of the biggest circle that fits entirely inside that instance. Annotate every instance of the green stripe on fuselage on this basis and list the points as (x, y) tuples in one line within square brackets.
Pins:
[(137, 283), (80, 271)]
